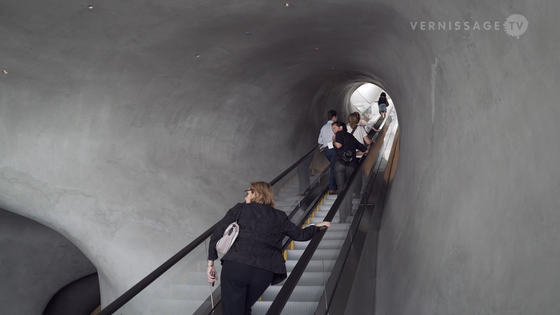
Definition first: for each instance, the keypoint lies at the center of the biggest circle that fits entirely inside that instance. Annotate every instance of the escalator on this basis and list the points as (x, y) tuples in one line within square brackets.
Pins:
[(179, 285), (322, 279), (307, 293), (315, 268)]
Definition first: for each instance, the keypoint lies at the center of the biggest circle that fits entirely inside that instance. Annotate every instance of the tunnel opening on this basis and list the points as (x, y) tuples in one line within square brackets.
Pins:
[(365, 99), (353, 91)]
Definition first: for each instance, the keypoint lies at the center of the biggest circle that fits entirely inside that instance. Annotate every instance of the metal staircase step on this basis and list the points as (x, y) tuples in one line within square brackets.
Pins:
[(295, 254), (337, 235), (311, 278), (323, 209), (311, 293), (291, 308), (314, 265)]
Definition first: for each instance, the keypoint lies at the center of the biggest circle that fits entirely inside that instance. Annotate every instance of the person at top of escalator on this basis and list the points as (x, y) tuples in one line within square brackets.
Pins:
[(383, 103), (255, 259)]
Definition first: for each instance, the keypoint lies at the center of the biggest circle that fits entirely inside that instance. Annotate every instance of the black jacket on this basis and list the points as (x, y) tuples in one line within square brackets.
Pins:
[(349, 143), (259, 243)]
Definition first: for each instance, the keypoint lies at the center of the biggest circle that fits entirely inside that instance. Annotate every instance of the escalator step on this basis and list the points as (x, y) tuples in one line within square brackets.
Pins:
[(323, 213), (313, 265), (311, 278), (295, 254), (335, 235), (311, 293), (291, 308)]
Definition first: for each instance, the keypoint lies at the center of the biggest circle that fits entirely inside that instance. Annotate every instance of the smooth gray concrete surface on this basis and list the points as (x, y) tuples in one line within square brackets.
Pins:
[(79, 297), (35, 262), (130, 128)]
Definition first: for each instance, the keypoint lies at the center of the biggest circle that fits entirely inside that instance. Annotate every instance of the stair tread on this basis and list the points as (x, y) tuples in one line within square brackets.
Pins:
[(301, 293), (291, 308)]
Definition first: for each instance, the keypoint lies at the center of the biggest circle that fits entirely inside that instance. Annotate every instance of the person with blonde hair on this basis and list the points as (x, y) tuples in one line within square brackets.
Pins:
[(255, 260)]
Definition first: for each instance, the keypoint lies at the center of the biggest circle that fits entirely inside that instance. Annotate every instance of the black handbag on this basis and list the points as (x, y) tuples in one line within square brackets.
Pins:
[(349, 155)]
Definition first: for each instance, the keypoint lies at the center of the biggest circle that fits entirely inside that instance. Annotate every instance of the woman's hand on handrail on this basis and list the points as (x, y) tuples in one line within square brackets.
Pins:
[(324, 224)]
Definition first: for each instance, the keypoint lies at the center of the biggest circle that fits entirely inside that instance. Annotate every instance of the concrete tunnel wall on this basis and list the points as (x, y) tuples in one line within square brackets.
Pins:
[(132, 127), (36, 262)]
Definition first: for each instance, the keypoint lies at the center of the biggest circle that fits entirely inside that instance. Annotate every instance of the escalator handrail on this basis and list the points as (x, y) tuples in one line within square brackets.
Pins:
[(291, 282), (311, 186), (142, 284), (289, 285), (289, 169), (366, 204), (308, 206)]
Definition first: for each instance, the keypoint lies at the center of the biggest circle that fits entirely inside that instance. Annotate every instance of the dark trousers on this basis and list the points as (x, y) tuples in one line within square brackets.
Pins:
[(330, 154), (342, 173), (242, 285)]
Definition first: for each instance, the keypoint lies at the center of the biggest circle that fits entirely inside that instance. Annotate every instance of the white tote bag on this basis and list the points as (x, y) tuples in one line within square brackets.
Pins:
[(230, 235)]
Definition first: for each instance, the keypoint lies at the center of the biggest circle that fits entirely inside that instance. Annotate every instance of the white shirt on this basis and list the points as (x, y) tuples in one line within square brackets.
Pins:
[(359, 134), (326, 134)]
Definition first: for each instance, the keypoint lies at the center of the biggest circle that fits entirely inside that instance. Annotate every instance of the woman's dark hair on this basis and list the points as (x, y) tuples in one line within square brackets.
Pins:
[(383, 99), (340, 124), (331, 113)]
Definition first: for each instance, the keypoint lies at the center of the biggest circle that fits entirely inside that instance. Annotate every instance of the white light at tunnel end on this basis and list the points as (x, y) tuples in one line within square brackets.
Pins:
[(516, 25)]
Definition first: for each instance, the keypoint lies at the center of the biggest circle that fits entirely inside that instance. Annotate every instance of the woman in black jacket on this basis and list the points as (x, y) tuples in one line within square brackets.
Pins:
[(255, 260)]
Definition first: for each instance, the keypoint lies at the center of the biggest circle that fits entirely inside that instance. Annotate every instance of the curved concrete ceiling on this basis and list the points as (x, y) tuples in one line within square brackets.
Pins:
[(131, 127)]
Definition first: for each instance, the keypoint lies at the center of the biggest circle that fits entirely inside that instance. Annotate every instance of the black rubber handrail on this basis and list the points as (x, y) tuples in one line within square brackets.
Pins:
[(289, 285), (309, 193), (308, 212), (142, 284), (285, 292), (339, 284), (372, 134), (289, 169), (310, 201)]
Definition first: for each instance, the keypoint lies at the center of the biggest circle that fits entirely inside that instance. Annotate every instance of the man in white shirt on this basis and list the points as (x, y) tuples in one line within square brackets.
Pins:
[(326, 143)]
